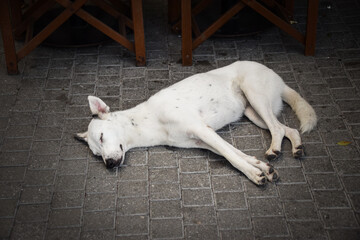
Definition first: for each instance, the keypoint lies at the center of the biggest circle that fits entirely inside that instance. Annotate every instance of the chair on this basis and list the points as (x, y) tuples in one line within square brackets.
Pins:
[(15, 22), (284, 7)]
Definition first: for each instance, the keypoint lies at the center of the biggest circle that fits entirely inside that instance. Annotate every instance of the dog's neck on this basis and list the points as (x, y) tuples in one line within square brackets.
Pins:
[(139, 126)]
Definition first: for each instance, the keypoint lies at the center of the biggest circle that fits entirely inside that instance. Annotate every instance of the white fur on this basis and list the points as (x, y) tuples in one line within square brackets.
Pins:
[(188, 113)]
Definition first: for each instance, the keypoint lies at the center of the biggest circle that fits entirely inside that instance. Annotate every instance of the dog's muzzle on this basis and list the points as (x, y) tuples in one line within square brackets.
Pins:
[(111, 163)]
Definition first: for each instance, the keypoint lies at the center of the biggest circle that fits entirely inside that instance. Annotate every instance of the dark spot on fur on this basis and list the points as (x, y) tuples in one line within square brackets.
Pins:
[(133, 122), (210, 85), (212, 99)]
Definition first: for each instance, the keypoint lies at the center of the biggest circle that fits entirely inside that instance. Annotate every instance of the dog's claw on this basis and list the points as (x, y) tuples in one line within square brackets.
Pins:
[(271, 174), (272, 155), (299, 151), (275, 177)]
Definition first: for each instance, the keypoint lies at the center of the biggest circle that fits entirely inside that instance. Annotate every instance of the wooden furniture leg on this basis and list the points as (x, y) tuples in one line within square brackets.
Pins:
[(310, 37), (285, 8), (186, 33), (139, 38), (8, 38)]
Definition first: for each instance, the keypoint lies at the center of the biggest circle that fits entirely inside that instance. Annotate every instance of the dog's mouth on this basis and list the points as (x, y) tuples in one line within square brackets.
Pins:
[(112, 163)]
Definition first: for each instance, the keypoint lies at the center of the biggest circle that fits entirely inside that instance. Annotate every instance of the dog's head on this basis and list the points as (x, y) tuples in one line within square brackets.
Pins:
[(104, 136)]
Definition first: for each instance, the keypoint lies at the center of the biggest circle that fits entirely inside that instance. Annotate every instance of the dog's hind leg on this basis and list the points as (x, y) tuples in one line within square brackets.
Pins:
[(254, 117), (218, 145), (278, 131), (292, 134)]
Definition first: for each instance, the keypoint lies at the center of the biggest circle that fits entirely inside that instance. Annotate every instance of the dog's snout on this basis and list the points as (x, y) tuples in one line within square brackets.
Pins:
[(111, 163)]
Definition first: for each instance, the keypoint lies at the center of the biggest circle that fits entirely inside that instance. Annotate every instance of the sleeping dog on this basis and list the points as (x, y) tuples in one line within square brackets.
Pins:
[(188, 113)]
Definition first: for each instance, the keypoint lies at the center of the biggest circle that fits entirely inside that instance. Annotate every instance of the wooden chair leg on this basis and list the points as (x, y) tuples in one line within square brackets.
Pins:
[(173, 10), (50, 28), (310, 37), (8, 38), (186, 33), (139, 38)]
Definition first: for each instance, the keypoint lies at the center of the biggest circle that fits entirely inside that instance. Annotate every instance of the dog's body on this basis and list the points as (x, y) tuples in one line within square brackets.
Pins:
[(188, 113)]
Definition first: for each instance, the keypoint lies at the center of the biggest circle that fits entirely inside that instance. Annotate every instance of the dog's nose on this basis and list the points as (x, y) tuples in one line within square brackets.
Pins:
[(111, 163)]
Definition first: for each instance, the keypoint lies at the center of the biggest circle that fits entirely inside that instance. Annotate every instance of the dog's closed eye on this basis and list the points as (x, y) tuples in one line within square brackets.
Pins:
[(101, 137), (121, 147)]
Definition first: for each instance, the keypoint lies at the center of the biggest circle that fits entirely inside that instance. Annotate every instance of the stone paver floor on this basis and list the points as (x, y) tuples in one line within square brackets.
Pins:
[(52, 187)]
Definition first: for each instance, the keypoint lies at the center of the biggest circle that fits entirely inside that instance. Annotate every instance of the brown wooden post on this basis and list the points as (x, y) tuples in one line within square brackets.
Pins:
[(139, 37), (8, 38), (310, 38), (186, 33)]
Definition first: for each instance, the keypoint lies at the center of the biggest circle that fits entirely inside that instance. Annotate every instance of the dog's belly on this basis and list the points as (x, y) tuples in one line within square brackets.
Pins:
[(217, 101), (220, 113)]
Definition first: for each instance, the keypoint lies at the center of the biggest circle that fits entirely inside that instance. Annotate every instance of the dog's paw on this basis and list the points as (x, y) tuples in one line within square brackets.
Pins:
[(298, 152), (259, 178), (271, 174), (272, 154)]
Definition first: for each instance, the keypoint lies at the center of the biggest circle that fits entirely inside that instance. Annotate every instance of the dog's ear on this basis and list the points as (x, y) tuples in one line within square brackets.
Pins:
[(81, 136), (97, 106)]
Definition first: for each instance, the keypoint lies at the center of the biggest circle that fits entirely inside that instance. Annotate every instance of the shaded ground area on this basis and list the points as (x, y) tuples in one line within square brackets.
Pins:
[(51, 187)]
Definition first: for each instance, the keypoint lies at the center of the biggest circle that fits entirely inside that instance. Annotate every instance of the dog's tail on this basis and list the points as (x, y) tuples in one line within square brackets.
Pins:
[(302, 108)]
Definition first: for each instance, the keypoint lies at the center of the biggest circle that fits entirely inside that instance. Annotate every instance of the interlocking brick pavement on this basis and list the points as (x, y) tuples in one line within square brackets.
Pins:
[(52, 187)]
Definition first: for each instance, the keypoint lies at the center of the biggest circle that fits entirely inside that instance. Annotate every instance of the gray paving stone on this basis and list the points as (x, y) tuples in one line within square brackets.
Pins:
[(8, 207), (132, 225), (68, 199), (201, 231), (307, 230), (164, 191), (133, 205), (38, 194), (166, 228), (6, 227), (276, 227), (68, 233), (196, 197), (70, 217), (324, 181), (29, 231), (100, 201), (227, 183), (165, 209), (332, 198), (32, 213), (98, 234), (195, 180), (339, 218), (294, 192), (233, 219), (70, 182), (265, 207), (300, 210), (230, 200), (98, 220), (129, 189)]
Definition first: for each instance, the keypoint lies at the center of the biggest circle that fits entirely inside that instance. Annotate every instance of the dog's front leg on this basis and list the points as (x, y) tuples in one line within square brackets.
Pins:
[(220, 146)]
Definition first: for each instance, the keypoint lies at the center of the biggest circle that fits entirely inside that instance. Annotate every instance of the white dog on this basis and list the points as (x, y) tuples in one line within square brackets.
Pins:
[(188, 113)]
